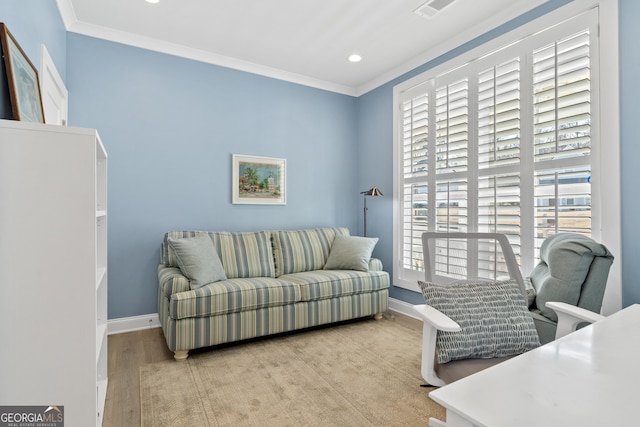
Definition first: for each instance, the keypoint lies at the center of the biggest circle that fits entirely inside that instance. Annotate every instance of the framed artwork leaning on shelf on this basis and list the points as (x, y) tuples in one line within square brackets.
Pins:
[(22, 80), (258, 180)]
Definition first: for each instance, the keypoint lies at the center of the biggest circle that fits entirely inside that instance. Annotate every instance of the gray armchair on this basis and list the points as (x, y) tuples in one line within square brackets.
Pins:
[(570, 279), (573, 269)]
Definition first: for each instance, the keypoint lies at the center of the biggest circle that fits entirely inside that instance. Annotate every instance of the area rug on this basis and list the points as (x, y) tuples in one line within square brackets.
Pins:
[(363, 373)]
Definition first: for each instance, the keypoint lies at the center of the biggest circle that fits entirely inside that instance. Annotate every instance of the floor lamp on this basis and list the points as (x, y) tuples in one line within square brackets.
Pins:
[(373, 192)]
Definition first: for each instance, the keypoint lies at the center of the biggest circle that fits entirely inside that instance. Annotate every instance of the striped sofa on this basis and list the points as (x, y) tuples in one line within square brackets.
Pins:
[(275, 282)]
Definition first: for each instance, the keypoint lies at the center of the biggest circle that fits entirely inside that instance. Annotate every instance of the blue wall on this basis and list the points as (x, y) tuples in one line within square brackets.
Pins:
[(33, 25), (170, 126)]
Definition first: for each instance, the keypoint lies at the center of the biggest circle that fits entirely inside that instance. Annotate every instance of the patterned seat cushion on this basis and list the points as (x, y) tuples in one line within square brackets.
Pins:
[(232, 296), (322, 284)]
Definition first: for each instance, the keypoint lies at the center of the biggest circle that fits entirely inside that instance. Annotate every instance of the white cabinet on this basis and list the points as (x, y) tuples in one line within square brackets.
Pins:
[(53, 269)]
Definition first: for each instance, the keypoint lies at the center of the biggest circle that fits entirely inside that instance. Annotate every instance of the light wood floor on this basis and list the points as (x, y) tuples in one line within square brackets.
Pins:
[(129, 351)]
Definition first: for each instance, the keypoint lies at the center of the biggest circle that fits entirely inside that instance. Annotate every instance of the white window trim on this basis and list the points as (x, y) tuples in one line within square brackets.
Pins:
[(608, 231)]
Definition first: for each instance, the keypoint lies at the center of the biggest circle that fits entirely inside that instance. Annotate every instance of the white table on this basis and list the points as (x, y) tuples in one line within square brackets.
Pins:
[(588, 378)]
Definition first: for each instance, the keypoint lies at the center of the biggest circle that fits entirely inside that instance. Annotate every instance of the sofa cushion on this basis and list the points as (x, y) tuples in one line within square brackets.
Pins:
[(351, 253), (494, 318), (243, 255), (303, 250), (322, 284), (232, 296), (198, 260)]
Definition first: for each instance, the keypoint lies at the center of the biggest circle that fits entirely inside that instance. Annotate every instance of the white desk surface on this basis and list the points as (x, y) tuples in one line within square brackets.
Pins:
[(588, 378)]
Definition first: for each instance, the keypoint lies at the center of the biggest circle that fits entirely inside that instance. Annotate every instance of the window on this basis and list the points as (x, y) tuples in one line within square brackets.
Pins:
[(500, 143)]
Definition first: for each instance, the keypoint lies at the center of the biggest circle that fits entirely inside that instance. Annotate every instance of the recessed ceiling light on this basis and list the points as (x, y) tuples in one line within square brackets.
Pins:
[(153, 1), (355, 58)]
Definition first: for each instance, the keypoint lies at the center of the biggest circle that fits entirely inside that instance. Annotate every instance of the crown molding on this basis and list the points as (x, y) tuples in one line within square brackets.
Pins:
[(67, 13), (73, 25), (203, 56)]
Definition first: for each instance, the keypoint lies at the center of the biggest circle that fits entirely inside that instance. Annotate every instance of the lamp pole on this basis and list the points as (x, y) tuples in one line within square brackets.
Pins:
[(373, 192), (365, 212)]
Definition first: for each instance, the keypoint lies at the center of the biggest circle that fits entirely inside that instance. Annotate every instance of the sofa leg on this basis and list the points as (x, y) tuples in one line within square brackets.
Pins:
[(181, 354), (377, 316)]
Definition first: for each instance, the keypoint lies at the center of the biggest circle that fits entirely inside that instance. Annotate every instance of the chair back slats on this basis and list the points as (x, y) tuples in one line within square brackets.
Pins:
[(455, 256)]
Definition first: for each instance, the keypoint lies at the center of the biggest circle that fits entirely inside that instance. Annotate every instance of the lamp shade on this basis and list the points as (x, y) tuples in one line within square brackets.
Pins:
[(373, 192)]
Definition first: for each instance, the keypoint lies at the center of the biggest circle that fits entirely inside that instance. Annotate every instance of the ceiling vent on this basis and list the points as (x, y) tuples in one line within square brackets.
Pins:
[(432, 7)]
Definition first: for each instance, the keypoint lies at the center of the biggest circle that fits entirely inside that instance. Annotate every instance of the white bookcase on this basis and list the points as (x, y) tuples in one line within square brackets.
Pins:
[(53, 269)]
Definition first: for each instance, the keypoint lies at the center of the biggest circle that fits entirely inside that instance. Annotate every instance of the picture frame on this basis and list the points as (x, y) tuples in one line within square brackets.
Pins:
[(22, 80), (258, 180)]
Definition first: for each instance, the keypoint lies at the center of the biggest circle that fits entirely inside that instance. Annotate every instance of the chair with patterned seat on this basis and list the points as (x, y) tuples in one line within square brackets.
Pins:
[(478, 304)]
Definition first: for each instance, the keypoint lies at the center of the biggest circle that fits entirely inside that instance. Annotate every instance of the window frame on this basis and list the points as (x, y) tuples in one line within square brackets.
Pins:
[(605, 222)]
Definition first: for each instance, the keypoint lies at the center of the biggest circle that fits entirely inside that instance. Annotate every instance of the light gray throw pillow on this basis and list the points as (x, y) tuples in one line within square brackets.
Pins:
[(493, 316), (198, 260), (350, 253)]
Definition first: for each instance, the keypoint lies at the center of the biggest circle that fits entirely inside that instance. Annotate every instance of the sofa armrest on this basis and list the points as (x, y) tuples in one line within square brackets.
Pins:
[(172, 281), (375, 264), (570, 316)]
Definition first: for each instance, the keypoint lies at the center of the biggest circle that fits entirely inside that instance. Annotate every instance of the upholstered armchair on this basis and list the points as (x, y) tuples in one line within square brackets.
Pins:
[(573, 269)]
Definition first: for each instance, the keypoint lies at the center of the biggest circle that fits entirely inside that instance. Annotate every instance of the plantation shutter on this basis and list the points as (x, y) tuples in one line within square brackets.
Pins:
[(450, 183), (415, 131), (499, 144), (499, 115), (562, 136), (499, 149)]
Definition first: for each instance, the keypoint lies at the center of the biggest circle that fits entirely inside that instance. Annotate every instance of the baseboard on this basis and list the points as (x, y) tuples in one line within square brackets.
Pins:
[(134, 323), (148, 321), (402, 307)]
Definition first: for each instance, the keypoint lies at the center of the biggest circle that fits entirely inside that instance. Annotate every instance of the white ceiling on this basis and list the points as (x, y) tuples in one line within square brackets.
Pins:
[(303, 41)]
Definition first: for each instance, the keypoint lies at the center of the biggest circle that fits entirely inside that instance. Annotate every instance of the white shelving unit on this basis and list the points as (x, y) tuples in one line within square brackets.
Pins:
[(53, 269)]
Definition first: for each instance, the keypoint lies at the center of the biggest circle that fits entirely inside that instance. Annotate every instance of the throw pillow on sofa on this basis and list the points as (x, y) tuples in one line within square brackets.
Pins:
[(198, 260), (351, 253)]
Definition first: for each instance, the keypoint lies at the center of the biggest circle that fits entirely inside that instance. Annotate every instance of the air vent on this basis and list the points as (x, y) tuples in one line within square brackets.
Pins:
[(432, 7)]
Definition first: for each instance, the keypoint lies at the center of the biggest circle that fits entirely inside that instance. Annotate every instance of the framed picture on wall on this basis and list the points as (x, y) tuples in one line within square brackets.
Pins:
[(258, 180), (22, 79)]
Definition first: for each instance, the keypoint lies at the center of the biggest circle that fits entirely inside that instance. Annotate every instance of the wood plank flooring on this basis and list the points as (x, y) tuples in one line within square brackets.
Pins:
[(129, 351)]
